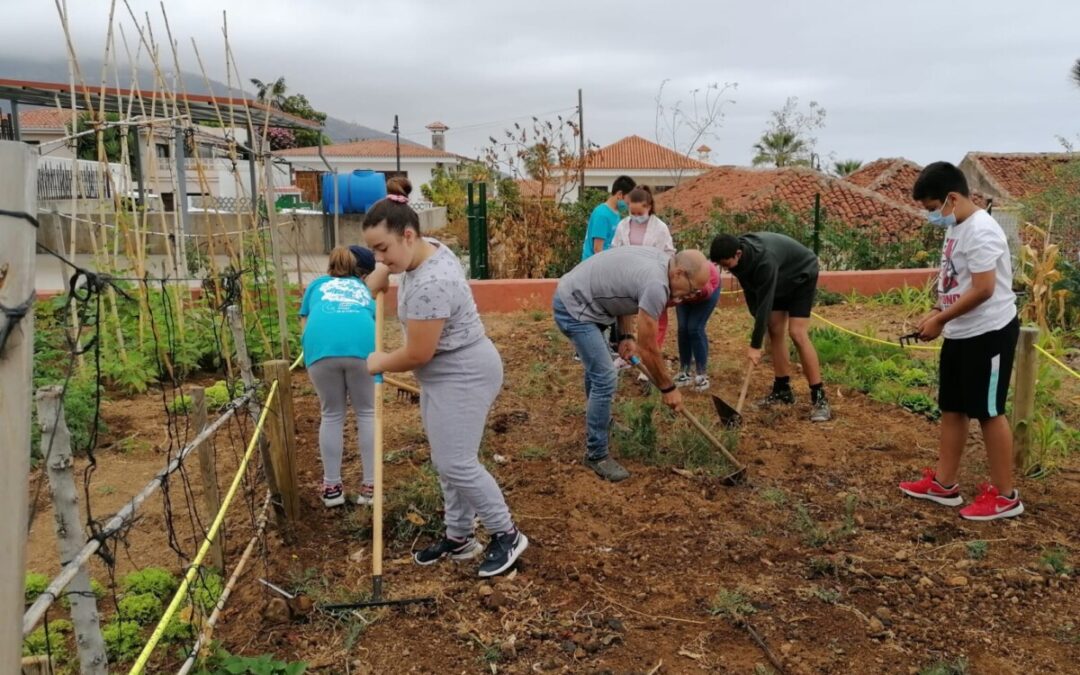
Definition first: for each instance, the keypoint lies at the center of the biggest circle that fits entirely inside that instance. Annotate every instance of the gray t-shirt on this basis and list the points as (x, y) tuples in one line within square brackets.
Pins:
[(617, 282), (437, 289)]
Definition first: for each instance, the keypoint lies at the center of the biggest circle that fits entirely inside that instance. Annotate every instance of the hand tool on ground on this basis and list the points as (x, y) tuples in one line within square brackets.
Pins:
[(735, 477), (732, 417)]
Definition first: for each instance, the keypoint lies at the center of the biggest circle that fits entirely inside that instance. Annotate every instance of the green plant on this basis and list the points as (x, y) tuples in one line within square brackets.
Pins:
[(813, 534), (958, 666), (821, 567), (774, 496), (207, 591), (731, 604), (976, 550), (636, 435), (154, 580), (180, 405), (53, 642), (96, 588), (34, 585), (178, 631), (123, 640), (222, 662), (142, 608), (827, 595), (535, 452), (217, 396), (1056, 560)]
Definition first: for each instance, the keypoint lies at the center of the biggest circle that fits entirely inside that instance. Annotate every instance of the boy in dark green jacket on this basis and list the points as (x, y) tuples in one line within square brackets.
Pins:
[(778, 276)]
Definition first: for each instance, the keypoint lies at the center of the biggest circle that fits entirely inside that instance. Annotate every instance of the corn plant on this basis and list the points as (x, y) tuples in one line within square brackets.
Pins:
[(1038, 274)]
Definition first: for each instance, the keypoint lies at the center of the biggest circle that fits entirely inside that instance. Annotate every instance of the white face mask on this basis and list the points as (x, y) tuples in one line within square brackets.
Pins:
[(639, 220)]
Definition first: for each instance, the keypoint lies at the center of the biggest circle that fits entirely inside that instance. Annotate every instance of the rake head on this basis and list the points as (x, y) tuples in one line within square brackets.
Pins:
[(909, 339)]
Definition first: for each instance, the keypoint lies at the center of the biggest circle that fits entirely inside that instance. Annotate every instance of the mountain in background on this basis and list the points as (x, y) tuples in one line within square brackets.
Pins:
[(15, 68)]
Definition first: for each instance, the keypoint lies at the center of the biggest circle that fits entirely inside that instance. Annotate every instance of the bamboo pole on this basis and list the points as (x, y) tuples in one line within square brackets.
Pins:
[(1027, 370)]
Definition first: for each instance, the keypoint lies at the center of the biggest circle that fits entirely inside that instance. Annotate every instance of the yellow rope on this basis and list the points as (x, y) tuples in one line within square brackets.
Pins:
[(840, 328), (1058, 362), (298, 361), (215, 527)]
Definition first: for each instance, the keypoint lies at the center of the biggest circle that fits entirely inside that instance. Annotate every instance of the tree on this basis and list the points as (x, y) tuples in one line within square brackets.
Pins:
[(682, 127), (86, 146), (846, 167), (272, 93), (789, 139), (298, 105), (1076, 72)]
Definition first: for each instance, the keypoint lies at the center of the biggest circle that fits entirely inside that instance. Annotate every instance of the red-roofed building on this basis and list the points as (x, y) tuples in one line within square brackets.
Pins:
[(895, 178), (750, 190), (648, 163), (1008, 177)]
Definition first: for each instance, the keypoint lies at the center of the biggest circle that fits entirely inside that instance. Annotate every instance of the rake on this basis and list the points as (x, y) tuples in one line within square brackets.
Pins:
[(405, 392)]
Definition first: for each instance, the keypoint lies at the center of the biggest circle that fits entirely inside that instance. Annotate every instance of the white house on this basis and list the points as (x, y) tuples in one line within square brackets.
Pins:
[(648, 163), (418, 163)]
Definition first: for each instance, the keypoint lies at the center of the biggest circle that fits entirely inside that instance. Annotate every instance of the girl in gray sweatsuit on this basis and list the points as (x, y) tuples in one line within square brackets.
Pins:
[(460, 374)]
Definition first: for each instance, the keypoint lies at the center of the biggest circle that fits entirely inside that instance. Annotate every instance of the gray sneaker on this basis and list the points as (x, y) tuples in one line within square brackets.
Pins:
[(821, 412), (608, 469)]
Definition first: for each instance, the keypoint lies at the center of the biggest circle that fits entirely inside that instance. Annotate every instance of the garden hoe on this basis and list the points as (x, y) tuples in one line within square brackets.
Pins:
[(377, 599), (732, 417), (737, 476)]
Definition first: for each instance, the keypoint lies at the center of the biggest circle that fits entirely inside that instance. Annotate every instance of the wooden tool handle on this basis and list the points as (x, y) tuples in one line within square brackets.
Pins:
[(745, 386), (712, 439), (404, 386), (377, 506)]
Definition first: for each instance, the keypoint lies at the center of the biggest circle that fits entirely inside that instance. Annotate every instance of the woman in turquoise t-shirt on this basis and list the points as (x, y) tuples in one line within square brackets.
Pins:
[(338, 313)]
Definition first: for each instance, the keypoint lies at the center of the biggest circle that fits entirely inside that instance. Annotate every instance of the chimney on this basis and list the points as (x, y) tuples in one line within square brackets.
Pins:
[(703, 152), (438, 137)]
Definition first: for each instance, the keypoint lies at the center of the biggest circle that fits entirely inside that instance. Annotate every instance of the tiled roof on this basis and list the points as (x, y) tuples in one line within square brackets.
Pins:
[(634, 152), (369, 148), (437, 126), (527, 187), (754, 190), (44, 118), (1016, 174), (894, 178)]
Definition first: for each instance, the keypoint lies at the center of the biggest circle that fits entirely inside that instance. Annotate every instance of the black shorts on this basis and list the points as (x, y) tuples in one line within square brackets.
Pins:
[(799, 302), (975, 372)]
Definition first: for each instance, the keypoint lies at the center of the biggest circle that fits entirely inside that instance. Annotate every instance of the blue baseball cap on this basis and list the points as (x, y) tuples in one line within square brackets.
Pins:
[(365, 259)]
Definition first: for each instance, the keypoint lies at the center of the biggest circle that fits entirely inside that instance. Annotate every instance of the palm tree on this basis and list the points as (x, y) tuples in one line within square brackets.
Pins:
[(780, 148), (272, 93), (846, 167)]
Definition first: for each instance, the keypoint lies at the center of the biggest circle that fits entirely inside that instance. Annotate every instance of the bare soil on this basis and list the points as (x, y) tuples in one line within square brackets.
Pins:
[(823, 565)]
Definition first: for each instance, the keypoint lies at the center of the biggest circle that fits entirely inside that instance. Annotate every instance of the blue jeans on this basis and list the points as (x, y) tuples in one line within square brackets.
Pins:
[(693, 342), (600, 376)]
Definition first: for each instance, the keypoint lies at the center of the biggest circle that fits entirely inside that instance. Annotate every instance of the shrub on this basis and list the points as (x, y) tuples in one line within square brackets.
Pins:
[(208, 591), (123, 640), (34, 585), (142, 608), (39, 643), (154, 580), (217, 396)]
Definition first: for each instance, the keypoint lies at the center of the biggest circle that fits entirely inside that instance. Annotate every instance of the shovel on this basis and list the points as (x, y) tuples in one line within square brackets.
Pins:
[(737, 476), (732, 417)]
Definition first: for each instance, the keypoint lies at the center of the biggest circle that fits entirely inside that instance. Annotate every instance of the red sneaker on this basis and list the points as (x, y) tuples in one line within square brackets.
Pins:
[(929, 488), (991, 505)]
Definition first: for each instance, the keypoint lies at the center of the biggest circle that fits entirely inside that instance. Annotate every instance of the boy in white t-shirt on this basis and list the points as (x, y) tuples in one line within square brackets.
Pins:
[(976, 314)]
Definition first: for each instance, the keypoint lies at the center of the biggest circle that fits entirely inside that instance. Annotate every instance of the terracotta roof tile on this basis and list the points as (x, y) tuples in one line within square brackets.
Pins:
[(756, 190), (634, 152), (894, 178), (1020, 173), (369, 148), (44, 118), (527, 187)]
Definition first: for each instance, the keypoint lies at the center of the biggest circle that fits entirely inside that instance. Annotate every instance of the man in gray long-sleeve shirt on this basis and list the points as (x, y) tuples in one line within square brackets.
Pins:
[(778, 276)]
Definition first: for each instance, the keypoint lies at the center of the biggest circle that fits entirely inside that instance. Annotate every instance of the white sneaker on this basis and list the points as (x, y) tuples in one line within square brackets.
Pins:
[(701, 383), (683, 379)]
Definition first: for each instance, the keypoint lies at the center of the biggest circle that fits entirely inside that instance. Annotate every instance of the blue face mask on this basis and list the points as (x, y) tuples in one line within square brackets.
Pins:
[(940, 221), (621, 205)]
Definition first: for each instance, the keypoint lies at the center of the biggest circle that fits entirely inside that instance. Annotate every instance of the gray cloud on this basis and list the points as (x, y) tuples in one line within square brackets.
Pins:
[(923, 79)]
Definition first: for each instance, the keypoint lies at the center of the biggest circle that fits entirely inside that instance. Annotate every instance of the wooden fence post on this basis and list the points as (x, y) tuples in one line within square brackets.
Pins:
[(282, 428), (17, 193), (69, 534), (208, 469), (247, 376), (1027, 370)]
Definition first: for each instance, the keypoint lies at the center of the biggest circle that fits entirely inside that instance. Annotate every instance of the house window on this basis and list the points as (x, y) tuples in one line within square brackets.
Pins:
[(162, 150)]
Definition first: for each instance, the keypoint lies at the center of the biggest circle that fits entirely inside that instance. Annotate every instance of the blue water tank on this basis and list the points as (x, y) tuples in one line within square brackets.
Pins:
[(357, 191)]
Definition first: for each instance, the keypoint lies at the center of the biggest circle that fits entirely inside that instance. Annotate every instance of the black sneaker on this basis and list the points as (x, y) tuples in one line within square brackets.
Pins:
[(820, 411), (503, 552), (448, 548), (608, 469), (783, 396)]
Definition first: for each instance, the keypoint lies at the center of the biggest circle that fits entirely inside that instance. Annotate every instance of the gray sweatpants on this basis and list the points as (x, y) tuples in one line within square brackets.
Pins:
[(456, 391), (335, 378)]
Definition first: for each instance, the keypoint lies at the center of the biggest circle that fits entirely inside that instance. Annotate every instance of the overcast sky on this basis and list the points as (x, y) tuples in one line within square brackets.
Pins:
[(923, 79)]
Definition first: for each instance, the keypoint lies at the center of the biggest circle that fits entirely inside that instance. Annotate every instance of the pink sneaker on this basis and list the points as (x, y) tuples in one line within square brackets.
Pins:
[(991, 505), (929, 488)]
